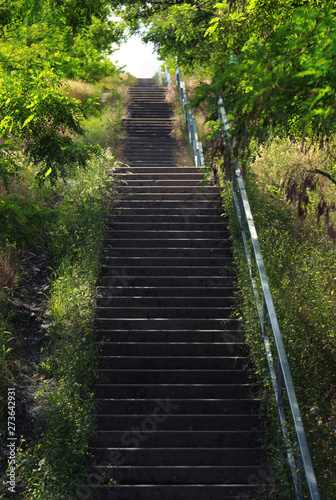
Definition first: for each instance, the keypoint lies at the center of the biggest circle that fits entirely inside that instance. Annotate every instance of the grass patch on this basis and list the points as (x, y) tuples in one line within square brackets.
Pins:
[(82, 91), (105, 129)]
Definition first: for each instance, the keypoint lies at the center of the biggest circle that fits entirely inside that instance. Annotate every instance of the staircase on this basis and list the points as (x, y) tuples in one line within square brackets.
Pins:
[(176, 417)]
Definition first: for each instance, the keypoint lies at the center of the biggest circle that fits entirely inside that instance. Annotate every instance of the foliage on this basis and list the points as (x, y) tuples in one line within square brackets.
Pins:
[(105, 128), (273, 62), (20, 221), (53, 466), (72, 216), (53, 469), (300, 264), (41, 44)]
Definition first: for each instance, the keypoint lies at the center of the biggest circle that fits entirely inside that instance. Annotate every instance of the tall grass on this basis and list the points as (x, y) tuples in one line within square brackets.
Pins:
[(105, 128), (54, 465), (300, 263)]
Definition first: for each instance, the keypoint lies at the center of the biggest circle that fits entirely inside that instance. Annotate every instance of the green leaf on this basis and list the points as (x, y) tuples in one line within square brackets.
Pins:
[(48, 172), (28, 120)]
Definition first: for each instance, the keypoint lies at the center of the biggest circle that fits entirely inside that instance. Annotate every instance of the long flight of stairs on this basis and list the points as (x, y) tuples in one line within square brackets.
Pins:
[(176, 418)]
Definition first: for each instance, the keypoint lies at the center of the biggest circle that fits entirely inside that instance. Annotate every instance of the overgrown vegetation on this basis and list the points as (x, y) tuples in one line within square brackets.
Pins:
[(70, 217), (272, 62), (43, 43), (300, 262), (52, 466), (24, 214), (105, 128)]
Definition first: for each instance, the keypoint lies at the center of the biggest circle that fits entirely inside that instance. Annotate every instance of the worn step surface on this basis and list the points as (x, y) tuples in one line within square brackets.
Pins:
[(176, 414)]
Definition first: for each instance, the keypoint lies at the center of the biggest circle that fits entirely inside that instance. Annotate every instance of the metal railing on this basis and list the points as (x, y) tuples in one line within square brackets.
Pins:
[(166, 76), (294, 445), (196, 145)]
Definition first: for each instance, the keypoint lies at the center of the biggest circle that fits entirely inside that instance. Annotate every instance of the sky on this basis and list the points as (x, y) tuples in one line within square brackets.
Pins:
[(140, 59)]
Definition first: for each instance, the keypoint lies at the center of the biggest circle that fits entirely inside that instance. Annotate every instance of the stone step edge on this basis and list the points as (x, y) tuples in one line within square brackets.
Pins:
[(180, 416)]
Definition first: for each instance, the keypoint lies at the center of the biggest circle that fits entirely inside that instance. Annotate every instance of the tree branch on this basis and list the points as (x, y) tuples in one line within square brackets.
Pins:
[(325, 174)]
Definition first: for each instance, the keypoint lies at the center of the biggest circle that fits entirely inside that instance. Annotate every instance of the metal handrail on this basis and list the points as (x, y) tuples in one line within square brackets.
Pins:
[(166, 76), (196, 145), (281, 378)]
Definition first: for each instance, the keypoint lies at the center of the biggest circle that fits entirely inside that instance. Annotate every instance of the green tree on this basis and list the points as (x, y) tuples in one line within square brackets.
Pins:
[(42, 43), (272, 61)]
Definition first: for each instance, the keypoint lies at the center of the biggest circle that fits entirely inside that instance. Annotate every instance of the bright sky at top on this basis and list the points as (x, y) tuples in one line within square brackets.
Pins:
[(139, 59)]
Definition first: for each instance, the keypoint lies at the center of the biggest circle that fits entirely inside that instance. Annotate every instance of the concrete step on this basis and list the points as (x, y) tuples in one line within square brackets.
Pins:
[(158, 360), (153, 134), (173, 262), (162, 180), (150, 126), (228, 338), (158, 181), (190, 211), (208, 221), (185, 438), (151, 113), (189, 422), (149, 312), (169, 235), (186, 457), (168, 191), (148, 107), (137, 302), (166, 143), (173, 169), (169, 491), (176, 391), (133, 153), (170, 251), (160, 271), (172, 376), (117, 288), (182, 203), (144, 97), (165, 323), (194, 406), (155, 169), (115, 347), (127, 239), (121, 277), (167, 226)]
